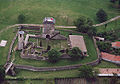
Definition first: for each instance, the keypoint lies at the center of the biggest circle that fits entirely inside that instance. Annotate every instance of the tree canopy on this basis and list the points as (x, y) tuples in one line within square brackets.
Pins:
[(21, 18), (75, 53), (86, 71), (101, 15), (53, 56), (84, 25)]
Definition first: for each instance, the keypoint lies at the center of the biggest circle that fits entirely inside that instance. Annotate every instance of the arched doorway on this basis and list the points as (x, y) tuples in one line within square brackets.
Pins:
[(48, 36)]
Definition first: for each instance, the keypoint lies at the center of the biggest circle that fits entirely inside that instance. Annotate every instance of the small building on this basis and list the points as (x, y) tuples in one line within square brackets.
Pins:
[(110, 57), (109, 72), (116, 44), (3, 43), (99, 38), (20, 40), (48, 27), (78, 41)]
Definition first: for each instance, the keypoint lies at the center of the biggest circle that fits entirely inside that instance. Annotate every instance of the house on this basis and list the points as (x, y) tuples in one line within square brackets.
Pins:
[(99, 38), (78, 41), (116, 44), (109, 72), (110, 58), (3, 43)]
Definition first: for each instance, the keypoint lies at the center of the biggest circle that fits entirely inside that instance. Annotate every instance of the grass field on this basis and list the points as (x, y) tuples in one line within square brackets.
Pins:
[(64, 11), (59, 74), (6, 35)]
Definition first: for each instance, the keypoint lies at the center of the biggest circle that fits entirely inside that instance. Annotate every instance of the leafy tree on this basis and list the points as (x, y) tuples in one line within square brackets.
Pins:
[(86, 71), (101, 15), (119, 3), (84, 25), (53, 56), (113, 1), (92, 31), (104, 47), (2, 74), (75, 53), (21, 18)]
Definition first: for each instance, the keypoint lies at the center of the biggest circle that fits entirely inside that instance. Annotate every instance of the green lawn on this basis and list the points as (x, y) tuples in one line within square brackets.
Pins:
[(105, 64), (64, 11), (59, 74), (110, 26), (46, 75), (6, 35)]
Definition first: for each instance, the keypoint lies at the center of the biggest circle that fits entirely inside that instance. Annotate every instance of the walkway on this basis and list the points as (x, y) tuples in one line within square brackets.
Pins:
[(96, 25)]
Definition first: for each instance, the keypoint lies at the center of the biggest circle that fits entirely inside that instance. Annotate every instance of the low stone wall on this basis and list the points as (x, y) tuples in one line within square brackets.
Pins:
[(26, 67), (68, 67), (33, 57), (10, 49)]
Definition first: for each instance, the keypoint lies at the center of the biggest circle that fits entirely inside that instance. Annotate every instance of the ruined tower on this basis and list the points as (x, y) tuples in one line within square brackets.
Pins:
[(48, 27), (20, 40)]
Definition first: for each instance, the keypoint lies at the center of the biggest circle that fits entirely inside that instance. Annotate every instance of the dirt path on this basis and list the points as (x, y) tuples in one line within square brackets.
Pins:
[(96, 25)]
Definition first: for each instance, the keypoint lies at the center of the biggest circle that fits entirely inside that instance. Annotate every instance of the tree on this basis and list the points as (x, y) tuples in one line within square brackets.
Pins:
[(86, 71), (84, 25), (92, 32), (2, 74), (53, 56), (75, 53), (104, 47), (101, 15), (119, 3), (113, 1), (21, 18)]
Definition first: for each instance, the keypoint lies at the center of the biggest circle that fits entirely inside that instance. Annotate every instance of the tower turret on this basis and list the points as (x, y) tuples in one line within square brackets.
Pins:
[(20, 40)]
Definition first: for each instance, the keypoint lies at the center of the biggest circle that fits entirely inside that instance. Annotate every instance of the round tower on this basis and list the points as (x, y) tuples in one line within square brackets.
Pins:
[(20, 40), (48, 27)]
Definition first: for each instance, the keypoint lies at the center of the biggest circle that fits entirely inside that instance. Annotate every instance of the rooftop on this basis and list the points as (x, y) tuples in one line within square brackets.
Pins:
[(21, 32), (116, 44), (3, 43), (110, 56), (109, 70), (49, 19), (78, 41)]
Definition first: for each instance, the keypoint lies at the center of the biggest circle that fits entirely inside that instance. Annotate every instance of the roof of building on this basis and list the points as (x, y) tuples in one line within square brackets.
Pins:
[(100, 38), (21, 32), (3, 43), (116, 44), (49, 19), (78, 41), (110, 56), (109, 70)]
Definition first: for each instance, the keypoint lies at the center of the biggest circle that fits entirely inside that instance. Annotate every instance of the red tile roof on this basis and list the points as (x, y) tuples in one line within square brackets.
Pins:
[(116, 44), (110, 56), (109, 71)]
